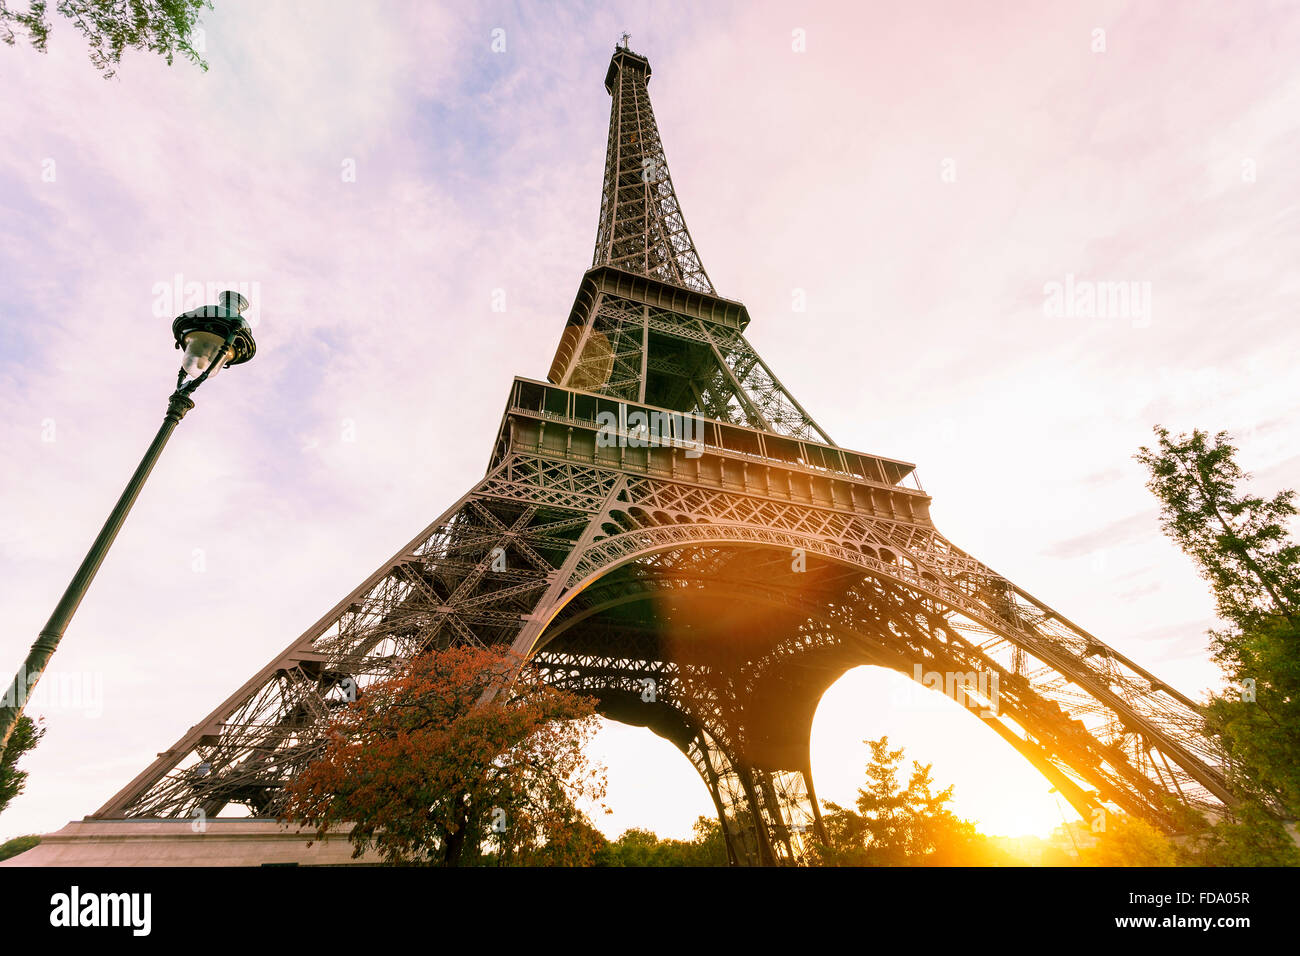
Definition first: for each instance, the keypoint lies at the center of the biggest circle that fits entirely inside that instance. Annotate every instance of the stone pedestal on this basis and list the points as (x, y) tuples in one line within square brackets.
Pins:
[(243, 842)]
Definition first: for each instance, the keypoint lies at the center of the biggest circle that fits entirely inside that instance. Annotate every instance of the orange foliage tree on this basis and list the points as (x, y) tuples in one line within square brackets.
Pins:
[(425, 772)]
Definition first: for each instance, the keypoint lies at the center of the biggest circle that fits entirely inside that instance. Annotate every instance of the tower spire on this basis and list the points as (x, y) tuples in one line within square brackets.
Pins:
[(641, 229)]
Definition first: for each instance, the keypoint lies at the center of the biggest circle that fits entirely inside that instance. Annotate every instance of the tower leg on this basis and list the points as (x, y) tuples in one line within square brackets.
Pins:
[(767, 816), (819, 827), (482, 574)]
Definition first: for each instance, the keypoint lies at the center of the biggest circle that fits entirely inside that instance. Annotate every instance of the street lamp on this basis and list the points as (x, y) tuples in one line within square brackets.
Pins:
[(212, 337)]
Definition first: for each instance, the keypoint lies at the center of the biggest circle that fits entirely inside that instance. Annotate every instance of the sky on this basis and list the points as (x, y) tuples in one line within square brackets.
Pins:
[(923, 178)]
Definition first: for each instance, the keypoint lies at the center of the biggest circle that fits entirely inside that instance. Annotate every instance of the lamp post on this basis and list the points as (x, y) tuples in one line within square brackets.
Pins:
[(212, 337)]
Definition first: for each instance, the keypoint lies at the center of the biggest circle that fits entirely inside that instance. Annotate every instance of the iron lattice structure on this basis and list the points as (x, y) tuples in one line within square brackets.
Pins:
[(706, 566), (641, 225)]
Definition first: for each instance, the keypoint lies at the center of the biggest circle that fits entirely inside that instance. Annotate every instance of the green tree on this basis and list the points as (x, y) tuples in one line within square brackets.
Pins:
[(1129, 841), (1241, 546), (900, 826), (709, 847), (638, 847), (1238, 541), (22, 844), (1249, 837), (26, 734), (111, 27)]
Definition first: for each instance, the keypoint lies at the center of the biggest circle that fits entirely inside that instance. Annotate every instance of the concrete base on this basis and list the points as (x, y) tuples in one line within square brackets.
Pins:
[(240, 842)]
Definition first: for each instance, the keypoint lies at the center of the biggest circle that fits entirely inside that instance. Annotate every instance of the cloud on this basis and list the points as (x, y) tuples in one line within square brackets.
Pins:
[(1110, 535)]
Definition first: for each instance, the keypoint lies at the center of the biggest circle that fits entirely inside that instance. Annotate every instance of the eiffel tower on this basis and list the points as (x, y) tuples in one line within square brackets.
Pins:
[(664, 527)]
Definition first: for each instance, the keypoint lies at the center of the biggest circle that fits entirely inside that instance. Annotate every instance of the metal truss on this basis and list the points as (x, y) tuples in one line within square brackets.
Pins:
[(531, 550), (638, 352), (709, 586), (641, 224), (1136, 719)]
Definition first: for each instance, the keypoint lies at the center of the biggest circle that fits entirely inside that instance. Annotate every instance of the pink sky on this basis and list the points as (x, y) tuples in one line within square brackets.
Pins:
[(1169, 159)]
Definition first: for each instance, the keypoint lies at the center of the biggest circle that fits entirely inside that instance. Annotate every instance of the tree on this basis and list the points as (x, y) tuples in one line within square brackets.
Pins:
[(638, 847), (578, 843), (26, 734), (431, 767), (709, 848), (1249, 837), (11, 848), (111, 27), (1241, 546), (900, 826), (1129, 841), (1238, 541)]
